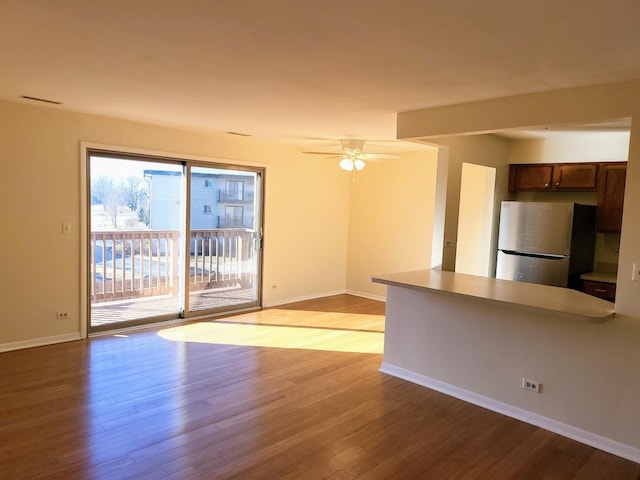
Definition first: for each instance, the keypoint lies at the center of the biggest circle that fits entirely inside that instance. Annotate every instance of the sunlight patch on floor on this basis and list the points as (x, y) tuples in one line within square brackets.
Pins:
[(276, 328)]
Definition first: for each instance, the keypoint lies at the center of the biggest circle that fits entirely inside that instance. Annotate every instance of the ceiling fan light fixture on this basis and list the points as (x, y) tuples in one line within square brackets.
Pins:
[(352, 157), (346, 164)]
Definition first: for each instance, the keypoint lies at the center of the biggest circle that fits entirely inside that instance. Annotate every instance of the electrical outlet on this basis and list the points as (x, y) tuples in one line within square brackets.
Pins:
[(274, 287), (532, 385), (62, 315)]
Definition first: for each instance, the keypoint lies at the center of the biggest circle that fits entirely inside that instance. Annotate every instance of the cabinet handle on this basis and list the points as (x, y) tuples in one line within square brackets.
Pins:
[(546, 185), (557, 184)]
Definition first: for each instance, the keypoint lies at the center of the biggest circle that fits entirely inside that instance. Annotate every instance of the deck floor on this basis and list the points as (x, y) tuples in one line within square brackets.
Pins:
[(106, 313)]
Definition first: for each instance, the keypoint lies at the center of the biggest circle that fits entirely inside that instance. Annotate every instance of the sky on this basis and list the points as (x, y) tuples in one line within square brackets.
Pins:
[(114, 167), (120, 168)]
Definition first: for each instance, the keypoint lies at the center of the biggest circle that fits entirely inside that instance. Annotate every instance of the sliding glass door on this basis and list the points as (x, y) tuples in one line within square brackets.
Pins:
[(170, 238), (135, 272), (224, 239)]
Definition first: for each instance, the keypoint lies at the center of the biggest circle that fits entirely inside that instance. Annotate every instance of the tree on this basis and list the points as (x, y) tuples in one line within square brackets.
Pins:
[(114, 193), (105, 193), (135, 194), (101, 188), (131, 188)]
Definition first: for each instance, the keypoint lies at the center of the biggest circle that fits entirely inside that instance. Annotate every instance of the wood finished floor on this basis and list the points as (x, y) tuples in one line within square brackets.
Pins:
[(194, 402)]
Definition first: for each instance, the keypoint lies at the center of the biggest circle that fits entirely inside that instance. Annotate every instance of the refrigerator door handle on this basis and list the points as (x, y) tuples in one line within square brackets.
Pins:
[(533, 268), (534, 255)]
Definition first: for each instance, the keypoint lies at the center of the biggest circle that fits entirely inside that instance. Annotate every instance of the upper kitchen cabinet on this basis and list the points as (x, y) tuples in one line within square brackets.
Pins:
[(553, 176), (575, 176), (611, 181), (530, 177)]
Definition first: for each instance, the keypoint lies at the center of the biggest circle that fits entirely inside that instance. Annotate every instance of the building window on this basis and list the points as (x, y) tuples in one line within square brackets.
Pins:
[(208, 183), (234, 189), (233, 216), (207, 209)]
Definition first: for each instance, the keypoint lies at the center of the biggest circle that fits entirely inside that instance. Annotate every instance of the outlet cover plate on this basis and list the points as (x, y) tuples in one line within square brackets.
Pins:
[(532, 385)]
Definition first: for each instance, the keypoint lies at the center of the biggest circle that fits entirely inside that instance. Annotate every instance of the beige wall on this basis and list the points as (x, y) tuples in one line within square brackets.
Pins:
[(307, 217), (571, 148), (487, 150), (574, 106), (590, 373), (306, 230), (391, 219)]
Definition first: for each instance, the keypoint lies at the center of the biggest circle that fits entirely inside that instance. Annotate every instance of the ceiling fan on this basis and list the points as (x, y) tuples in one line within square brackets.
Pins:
[(352, 156)]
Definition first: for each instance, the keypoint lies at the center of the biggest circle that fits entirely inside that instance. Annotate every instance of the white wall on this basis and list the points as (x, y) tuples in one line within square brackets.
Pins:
[(391, 219), (306, 231)]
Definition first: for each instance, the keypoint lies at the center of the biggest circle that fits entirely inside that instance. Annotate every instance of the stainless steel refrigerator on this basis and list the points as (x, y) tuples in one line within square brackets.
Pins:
[(545, 242)]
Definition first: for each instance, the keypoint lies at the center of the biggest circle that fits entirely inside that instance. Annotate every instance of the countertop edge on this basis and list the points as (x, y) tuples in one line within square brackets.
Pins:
[(609, 278), (600, 315)]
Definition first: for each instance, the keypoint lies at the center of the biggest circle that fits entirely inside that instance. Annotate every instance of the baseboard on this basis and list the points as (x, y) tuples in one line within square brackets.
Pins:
[(39, 342), (577, 434), (370, 296), (285, 301)]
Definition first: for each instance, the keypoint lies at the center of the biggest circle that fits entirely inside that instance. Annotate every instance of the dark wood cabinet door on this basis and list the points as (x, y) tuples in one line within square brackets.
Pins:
[(606, 291), (530, 177), (578, 176), (611, 181)]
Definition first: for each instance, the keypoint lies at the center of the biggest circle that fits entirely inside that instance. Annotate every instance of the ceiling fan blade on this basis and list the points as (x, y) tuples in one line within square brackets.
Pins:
[(322, 153), (372, 156)]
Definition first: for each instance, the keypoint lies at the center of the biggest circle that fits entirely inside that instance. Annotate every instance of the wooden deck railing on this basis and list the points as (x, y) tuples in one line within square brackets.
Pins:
[(221, 257), (129, 264)]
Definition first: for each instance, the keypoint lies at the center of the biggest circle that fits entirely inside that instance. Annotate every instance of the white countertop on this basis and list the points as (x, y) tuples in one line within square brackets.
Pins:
[(531, 295)]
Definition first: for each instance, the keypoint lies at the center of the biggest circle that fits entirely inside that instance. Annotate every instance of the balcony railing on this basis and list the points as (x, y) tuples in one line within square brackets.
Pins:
[(229, 222), (235, 197), (130, 264)]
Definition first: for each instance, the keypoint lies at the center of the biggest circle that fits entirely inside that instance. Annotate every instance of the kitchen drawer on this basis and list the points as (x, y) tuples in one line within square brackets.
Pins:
[(603, 290)]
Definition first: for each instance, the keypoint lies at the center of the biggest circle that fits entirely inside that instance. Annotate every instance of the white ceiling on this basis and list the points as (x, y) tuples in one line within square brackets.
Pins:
[(305, 70)]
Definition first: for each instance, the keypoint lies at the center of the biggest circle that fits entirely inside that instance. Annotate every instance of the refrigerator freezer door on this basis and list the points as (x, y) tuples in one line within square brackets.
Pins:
[(536, 227), (524, 268)]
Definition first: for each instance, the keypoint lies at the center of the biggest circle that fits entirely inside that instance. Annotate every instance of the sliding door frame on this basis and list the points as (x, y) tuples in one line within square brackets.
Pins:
[(89, 148), (259, 225)]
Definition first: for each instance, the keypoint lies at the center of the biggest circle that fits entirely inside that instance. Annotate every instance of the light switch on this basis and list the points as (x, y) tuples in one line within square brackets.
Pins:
[(635, 275), (66, 228)]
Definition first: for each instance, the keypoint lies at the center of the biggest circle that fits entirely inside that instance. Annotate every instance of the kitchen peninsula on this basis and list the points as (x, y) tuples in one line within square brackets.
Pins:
[(478, 339)]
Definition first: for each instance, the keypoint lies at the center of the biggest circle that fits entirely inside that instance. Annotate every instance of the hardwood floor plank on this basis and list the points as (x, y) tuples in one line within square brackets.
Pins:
[(339, 475), (600, 465), (194, 402)]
